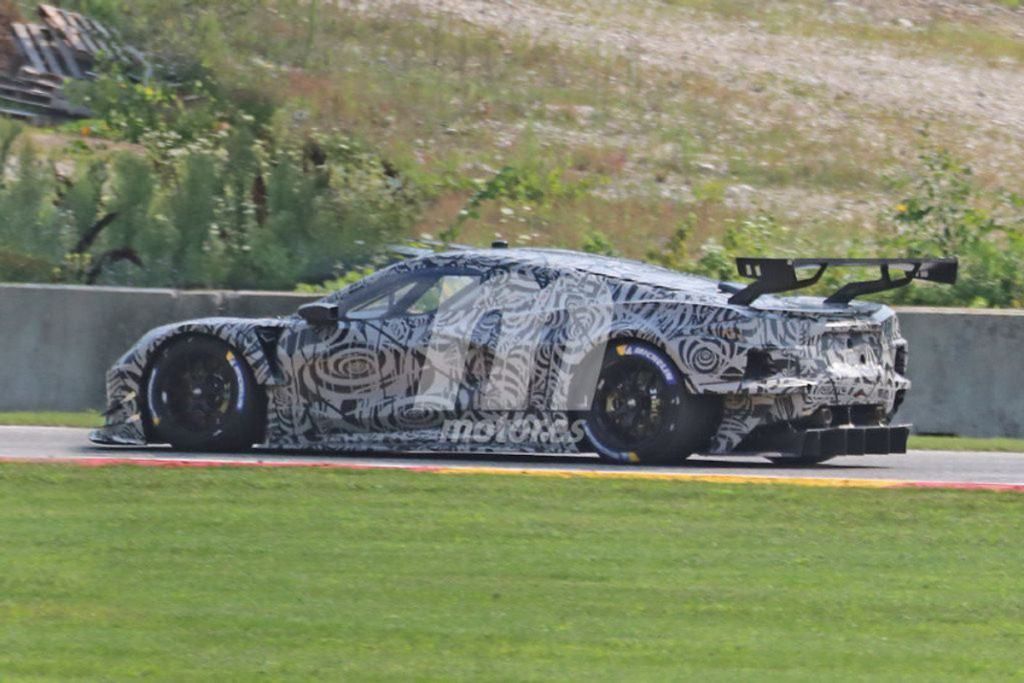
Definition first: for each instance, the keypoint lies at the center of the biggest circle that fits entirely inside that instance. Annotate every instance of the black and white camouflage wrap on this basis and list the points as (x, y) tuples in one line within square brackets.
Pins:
[(359, 384)]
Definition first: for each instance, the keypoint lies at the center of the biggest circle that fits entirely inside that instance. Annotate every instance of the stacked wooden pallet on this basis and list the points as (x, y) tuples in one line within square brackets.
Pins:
[(66, 45)]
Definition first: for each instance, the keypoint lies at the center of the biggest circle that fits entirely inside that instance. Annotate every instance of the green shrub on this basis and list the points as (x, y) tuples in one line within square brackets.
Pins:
[(758, 235), (340, 282), (9, 132), (34, 233), (529, 183), (596, 242), (226, 210), (129, 109), (946, 214)]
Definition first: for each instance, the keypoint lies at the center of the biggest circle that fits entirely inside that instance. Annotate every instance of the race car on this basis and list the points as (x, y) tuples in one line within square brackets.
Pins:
[(542, 351)]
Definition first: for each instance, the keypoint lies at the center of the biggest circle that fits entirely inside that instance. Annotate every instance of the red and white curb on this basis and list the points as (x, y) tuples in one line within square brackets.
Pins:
[(564, 473)]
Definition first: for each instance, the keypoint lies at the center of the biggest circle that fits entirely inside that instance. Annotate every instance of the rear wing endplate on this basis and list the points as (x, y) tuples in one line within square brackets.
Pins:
[(773, 275)]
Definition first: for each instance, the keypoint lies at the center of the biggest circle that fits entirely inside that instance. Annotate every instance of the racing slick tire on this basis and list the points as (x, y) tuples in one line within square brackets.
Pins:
[(201, 396), (641, 412)]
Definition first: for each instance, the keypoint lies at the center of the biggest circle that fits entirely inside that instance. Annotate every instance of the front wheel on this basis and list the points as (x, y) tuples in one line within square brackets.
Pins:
[(641, 412), (202, 396)]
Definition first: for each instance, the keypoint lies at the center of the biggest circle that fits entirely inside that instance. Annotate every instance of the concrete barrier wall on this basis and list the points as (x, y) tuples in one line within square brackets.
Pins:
[(57, 342), (966, 365)]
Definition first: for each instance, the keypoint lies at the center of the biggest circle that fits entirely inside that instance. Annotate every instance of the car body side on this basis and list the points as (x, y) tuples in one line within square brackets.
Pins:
[(779, 361)]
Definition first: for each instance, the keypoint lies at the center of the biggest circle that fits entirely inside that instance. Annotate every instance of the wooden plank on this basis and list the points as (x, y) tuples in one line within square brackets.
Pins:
[(84, 34), (55, 19), (83, 37), (28, 84), (24, 41), (28, 73), (50, 15), (23, 103), (75, 35), (53, 108), (16, 114), (70, 61), (13, 90), (33, 95), (43, 45), (75, 19), (52, 18), (24, 99), (100, 31), (96, 36), (66, 55)]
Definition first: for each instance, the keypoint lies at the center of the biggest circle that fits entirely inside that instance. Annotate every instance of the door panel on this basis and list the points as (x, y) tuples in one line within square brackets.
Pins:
[(363, 374)]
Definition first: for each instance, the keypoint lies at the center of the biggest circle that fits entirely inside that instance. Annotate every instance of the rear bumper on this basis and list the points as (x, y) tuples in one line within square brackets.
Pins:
[(829, 441)]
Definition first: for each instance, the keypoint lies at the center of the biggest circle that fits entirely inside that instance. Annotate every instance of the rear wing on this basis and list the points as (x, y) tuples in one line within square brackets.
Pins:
[(780, 275)]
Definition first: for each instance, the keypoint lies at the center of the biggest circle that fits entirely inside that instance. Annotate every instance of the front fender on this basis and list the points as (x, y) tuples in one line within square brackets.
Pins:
[(124, 422)]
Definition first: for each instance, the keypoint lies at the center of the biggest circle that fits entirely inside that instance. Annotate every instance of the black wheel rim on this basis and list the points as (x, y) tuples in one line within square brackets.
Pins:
[(629, 404), (196, 392)]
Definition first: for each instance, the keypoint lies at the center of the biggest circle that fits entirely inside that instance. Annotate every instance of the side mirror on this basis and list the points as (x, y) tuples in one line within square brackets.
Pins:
[(319, 313)]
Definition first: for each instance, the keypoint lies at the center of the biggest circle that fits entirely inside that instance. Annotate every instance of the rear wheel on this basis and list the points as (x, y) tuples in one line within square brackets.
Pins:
[(202, 396), (641, 412)]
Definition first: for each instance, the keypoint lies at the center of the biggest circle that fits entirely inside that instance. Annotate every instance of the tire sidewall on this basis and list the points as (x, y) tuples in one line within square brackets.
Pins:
[(243, 424), (673, 379)]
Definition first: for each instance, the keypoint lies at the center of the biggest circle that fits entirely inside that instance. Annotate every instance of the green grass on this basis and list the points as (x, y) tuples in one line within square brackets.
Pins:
[(979, 36), (965, 443), (446, 100), (312, 574), (49, 418)]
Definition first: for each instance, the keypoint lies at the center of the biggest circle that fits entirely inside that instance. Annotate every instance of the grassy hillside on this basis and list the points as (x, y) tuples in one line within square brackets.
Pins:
[(713, 107), (642, 125)]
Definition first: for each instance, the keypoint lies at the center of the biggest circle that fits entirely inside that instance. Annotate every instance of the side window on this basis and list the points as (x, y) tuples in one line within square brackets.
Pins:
[(416, 296), (443, 289), (379, 306)]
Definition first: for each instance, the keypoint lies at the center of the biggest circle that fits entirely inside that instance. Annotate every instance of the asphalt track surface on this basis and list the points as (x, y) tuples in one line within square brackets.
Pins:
[(920, 468)]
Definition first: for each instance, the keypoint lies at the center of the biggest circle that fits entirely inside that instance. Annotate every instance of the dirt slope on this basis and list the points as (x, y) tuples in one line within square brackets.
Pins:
[(827, 78)]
